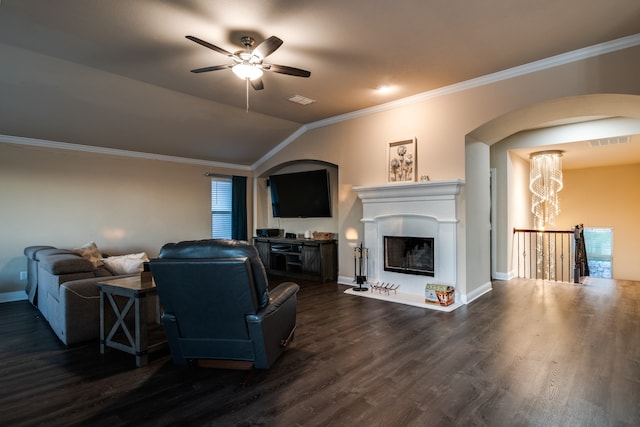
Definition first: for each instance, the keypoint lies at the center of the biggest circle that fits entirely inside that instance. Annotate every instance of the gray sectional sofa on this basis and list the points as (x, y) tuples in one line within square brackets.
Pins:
[(62, 284)]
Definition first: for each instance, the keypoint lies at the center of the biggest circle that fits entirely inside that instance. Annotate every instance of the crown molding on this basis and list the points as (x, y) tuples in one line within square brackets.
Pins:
[(543, 64), (116, 152), (521, 70)]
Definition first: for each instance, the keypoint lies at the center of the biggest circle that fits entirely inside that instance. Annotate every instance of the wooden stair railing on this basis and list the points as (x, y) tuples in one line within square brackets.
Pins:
[(556, 255)]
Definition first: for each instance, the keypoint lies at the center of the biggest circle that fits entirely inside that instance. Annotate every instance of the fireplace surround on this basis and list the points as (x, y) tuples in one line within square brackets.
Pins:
[(424, 210)]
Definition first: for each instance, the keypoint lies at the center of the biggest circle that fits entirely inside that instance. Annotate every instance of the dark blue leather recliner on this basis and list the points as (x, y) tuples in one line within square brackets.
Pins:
[(217, 305)]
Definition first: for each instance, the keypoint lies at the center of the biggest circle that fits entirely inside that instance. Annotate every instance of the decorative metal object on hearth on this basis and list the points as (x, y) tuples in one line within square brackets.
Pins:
[(385, 287), (360, 260)]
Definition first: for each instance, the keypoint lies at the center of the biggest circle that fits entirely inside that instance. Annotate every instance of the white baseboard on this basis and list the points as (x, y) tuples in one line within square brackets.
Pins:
[(345, 280), (477, 293), (13, 296), (503, 276)]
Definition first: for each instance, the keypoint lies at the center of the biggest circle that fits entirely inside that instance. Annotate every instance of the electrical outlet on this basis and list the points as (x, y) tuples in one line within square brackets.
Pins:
[(23, 275)]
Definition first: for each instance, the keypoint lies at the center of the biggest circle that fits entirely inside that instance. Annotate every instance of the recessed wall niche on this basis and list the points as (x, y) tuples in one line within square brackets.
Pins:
[(298, 226)]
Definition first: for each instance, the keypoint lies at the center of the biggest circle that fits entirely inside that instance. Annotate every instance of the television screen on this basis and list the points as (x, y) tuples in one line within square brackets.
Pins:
[(301, 194)]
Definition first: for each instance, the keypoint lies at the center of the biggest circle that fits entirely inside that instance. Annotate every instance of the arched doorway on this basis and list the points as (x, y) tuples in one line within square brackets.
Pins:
[(484, 236)]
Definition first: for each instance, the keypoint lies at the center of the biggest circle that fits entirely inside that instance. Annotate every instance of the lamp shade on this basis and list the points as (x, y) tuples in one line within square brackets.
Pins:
[(247, 71)]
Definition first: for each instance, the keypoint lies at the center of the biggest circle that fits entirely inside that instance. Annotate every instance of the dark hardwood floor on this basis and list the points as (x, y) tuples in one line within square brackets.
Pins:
[(526, 354)]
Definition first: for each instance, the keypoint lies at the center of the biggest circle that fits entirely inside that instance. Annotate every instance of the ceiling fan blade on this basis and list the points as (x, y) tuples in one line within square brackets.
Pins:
[(257, 84), (283, 69), (212, 68), (267, 47), (209, 45)]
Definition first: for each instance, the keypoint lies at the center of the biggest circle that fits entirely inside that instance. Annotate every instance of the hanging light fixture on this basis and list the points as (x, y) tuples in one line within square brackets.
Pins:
[(247, 70), (545, 182)]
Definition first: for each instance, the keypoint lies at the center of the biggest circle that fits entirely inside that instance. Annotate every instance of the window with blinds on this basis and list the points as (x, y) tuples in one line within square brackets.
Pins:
[(221, 207)]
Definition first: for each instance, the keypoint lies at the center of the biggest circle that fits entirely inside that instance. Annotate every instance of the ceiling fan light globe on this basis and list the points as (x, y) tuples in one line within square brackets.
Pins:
[(247, 71)]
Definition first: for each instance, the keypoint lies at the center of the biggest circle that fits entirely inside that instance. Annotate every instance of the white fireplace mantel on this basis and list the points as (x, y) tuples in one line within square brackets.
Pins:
[(425, 209), (402, 191)]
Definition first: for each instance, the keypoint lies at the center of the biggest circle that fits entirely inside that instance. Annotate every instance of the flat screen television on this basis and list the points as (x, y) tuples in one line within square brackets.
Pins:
[(301, 194)]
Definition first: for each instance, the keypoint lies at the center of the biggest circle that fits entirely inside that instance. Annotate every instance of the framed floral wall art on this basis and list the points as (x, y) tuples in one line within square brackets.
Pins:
[(401, 161)]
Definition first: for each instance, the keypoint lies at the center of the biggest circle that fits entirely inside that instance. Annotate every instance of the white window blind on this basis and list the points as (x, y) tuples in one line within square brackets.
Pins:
[(221, 207)]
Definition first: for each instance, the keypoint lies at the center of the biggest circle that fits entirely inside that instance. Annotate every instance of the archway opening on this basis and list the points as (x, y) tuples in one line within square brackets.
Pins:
[(491, 147)]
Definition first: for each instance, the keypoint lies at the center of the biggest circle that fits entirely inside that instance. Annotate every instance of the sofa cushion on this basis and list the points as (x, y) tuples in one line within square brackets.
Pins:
[(66, 264), (44, 253), (90, 251), (125, 264), (30, 251), (102, 272)]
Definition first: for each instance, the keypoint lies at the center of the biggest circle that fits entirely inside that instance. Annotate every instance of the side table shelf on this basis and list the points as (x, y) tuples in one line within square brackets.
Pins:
[(120, 335)]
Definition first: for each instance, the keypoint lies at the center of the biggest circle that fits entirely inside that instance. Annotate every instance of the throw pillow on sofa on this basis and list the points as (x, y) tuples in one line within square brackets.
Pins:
[(90, 251), (125, 264)]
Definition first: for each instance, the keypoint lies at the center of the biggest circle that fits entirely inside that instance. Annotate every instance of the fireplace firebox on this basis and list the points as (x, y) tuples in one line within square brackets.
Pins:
[(409, 255)]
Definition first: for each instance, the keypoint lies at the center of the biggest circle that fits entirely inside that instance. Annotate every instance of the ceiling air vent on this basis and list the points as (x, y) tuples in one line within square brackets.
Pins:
[(302, 100), (609, 141)]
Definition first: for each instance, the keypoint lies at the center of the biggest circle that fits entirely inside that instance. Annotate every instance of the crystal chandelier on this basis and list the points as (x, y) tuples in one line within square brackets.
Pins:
[(545, 182)]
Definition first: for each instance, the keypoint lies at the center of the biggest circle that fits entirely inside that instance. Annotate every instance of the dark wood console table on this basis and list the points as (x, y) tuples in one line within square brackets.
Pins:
[(307, 259)]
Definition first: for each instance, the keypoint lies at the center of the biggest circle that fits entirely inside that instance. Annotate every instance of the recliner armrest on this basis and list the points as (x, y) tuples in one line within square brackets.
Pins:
[(278, 296), (282, 292), (273, 324)]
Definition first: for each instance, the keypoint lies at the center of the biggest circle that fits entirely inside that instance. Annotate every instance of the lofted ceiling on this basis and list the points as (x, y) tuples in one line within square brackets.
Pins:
[(116, 73)]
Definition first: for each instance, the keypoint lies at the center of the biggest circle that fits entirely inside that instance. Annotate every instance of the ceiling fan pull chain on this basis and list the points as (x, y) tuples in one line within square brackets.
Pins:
[(247, 87)]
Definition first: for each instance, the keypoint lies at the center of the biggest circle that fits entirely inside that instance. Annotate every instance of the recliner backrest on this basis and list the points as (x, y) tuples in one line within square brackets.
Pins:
[(220, 248), (209, 297)]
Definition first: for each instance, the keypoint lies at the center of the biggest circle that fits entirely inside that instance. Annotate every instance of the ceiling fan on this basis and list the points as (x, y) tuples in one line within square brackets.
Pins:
[(248, 63)]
